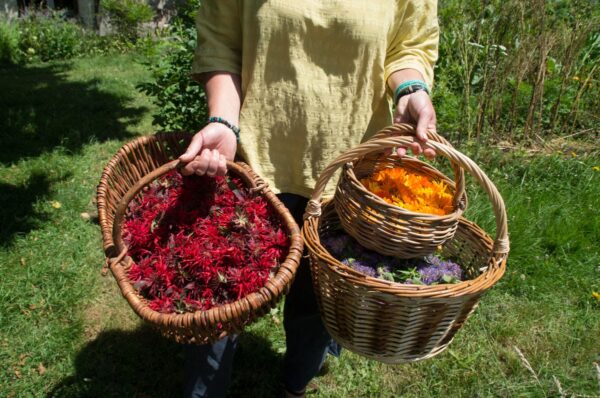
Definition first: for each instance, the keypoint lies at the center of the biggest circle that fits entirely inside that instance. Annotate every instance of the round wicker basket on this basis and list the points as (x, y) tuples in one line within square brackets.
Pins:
[(134, 166), (386, 228), (392, 322)]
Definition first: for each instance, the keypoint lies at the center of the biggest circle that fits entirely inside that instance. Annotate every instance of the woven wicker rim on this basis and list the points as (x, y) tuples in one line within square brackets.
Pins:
[(404, 129), (486, 279), (273, 288), (388, 208)]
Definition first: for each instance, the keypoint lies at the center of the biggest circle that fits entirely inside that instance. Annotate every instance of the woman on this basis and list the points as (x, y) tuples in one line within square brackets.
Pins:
[(304, 81)]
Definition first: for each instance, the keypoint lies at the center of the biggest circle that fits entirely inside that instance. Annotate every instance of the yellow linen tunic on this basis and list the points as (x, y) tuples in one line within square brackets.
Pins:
[(313, 74)]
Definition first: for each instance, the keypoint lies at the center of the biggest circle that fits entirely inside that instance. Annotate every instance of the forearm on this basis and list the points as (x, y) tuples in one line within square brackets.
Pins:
[(223, 94)]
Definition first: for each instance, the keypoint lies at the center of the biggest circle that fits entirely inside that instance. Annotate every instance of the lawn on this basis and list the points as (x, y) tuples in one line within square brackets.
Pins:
[(66, 332)]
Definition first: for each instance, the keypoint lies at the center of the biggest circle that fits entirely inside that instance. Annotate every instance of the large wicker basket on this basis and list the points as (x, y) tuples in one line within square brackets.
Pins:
[(392, 322), (386, 228), (134, 166)]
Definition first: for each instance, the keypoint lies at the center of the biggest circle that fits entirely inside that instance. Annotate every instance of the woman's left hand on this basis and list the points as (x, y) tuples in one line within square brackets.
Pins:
[(416, 108)]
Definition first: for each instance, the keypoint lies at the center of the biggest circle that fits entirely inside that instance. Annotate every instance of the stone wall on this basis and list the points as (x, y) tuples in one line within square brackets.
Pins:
[(9, 7), (87, 12)]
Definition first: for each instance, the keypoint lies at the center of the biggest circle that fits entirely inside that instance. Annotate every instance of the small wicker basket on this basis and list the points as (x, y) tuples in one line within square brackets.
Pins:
[(134, 166), (392, 322), (386, 228)]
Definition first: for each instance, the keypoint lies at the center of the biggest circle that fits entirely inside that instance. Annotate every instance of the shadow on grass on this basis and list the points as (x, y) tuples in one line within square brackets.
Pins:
[(256, 369), (142, 363), (17, 212), (40, 110)]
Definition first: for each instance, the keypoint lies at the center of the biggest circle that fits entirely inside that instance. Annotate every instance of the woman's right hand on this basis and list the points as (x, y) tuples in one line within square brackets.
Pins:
[(209, 150)]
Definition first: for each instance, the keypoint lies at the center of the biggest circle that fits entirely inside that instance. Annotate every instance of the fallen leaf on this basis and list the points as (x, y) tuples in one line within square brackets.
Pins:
[(18, 373), (85, 216), (23, 261), (56, 204), (41, 369), (596, 295), (22, 359)]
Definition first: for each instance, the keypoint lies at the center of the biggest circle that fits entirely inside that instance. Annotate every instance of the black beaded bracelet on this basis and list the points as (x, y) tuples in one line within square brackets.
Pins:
[(234, 128)]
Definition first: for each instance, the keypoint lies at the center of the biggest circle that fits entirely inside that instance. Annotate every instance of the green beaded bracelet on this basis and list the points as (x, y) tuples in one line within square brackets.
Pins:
[(234, 128), (409, 87)]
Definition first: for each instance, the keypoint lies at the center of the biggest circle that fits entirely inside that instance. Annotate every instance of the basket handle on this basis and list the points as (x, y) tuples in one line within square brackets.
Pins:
[(501, 243), (238, 167), (406, 129)]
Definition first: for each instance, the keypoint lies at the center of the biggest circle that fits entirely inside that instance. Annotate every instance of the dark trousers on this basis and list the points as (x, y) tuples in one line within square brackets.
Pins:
[(208, 367)]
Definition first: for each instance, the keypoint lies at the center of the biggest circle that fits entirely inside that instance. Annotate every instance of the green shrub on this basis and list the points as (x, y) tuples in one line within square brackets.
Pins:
[(127, 16), (40, 36), (49, 36), (515, 71), (181, 101), (9, 42)]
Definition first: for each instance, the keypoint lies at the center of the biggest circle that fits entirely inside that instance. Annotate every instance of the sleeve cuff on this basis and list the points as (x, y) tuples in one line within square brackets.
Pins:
[(210, 64), (415, 64)]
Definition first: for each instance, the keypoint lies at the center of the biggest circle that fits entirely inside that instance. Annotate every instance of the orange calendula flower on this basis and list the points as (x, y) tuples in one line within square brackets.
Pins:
[(411, 191)]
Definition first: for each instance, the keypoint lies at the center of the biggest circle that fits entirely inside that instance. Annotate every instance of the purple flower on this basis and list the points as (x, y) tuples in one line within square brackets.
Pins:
[(361, 267), (428, 270), (436, 270)]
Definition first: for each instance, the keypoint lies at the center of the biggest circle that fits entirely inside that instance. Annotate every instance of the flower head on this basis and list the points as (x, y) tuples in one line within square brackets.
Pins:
[(197, 244), (411, 190), (361, 267), (436, 270)]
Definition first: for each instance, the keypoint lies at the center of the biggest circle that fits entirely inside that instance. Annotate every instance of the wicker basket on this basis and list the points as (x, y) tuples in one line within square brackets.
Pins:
[(392, 322), (386, 228), (134, 166)]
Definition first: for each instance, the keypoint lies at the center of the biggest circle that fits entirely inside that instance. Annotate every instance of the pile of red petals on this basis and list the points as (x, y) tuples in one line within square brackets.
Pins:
[(199, 242)]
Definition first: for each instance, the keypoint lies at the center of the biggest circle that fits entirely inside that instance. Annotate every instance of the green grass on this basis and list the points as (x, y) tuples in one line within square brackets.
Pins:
[(66, 332)]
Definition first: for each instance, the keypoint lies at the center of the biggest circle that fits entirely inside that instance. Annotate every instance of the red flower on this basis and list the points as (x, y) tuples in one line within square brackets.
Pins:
[(162, 304), (198, 242)]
